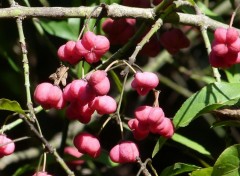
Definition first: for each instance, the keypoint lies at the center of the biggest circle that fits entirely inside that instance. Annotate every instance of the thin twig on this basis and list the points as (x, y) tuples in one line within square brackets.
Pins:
[(119, 105), (143, 169), (48, 147)]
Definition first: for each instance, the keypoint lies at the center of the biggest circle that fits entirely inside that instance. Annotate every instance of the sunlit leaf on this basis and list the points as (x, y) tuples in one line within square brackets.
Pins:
[(211, 97), (228, 163), (203, 172), (9, 105), (60, 29), (178, 168)]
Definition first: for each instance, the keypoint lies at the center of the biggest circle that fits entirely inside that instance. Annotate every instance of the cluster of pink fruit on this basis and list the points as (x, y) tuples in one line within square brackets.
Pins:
[(7, 146), (225, 48), (85, 96), (90, 48)]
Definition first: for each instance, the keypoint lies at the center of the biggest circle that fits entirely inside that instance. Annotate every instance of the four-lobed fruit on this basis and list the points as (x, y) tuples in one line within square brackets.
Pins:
[(174, 40), (144, 82), (7, 146), (225, 48), (152, 48), (92, 47), (119, 31), (150, 119), (124, 152), (49, 96), (87, 144)]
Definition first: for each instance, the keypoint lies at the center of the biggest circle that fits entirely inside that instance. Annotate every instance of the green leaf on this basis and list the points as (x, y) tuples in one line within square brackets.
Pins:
[(228, 163), (203, 172), (9, 105), (190, 144), (62, 29), (11, 62), (161, 141), (178, 168), (74, 24), (211, 97), (233, 74)]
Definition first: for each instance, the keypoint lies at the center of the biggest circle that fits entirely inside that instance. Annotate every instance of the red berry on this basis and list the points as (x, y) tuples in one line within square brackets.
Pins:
[(144, 82), (7, 146), (104, 105), (125, 152), (87, 144)]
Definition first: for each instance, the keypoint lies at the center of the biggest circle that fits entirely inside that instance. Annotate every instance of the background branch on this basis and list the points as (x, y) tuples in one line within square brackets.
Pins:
[(112, 11)]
